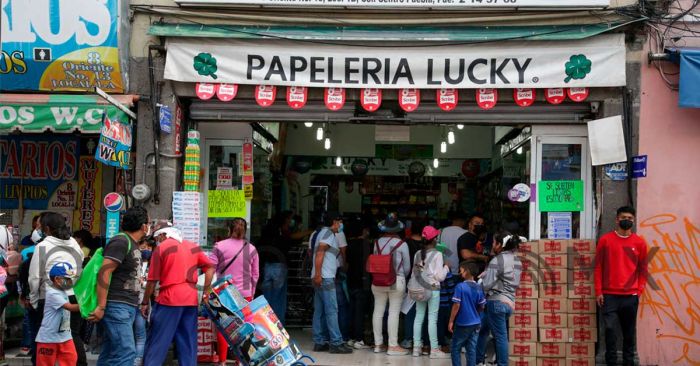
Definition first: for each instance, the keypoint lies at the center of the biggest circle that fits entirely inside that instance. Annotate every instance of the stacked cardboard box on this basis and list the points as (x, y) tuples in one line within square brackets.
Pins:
[(523, 323), (581, 309), (553, 331)]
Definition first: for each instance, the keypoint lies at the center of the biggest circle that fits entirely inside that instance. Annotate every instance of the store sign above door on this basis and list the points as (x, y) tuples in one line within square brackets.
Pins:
[(411, 3), (595, 62)]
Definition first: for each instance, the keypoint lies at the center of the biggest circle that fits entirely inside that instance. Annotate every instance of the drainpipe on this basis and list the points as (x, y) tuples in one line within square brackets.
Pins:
[(155, 97)]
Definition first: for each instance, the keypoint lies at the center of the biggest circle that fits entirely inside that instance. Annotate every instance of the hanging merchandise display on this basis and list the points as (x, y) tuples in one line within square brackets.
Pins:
[(114, 147), (265, 95), (554, 95), (487, 98), (297, 96), (447, 99), (192, 161), (524, 97), (371, 99), (205, 91), (334, 98), (409, 99), (226, 92), (577, 94)]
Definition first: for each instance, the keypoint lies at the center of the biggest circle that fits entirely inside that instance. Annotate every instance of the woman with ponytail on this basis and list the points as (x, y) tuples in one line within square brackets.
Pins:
[(500, 280), (57, 246)]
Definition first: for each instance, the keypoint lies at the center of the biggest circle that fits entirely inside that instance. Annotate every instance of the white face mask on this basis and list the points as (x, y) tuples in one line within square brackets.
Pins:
[(37, 235)]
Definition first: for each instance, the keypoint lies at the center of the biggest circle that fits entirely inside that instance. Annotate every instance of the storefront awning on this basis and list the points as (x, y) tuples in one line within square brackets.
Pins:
[(386, 33), (689, 81), (58, 112)]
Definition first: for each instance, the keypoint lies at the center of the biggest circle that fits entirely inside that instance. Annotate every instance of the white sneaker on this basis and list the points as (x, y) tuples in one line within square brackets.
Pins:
[(438, 354), (379, 349), (360, 345), (397, 351), (417, 351), (351, 343)]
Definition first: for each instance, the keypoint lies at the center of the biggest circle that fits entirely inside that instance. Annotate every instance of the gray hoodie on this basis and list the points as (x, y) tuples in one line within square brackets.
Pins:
[(502, 277), (48, 252)]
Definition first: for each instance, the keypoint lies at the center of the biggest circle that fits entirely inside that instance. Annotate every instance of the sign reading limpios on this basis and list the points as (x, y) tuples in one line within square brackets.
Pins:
[(60, 45)]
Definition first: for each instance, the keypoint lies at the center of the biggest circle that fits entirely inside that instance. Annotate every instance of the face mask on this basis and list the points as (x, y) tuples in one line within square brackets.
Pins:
[(479, 229), (146, 254), (37, 235), (626, 224), (65, 284), (340, 228)]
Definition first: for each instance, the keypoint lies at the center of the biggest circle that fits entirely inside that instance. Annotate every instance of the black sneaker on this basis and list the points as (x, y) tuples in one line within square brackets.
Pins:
[(340, 349), (321, 347)]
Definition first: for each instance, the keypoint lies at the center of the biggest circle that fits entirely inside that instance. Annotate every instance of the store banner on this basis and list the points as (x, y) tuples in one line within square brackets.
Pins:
[(87, 215), (595, 62), (114, 148), (39, 170), (379, 166), (398, 4), (60, 45), (57, 117)]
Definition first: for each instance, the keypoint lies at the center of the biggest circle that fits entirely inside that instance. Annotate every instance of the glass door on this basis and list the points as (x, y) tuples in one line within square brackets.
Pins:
[(222, 161), (563, 185)]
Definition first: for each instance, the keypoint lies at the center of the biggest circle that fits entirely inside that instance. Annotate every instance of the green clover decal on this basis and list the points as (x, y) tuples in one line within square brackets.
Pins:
[(577, 67), (205, 64)]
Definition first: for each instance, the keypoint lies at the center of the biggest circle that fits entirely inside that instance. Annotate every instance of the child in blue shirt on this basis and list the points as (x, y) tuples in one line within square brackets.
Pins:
[(465, 322)]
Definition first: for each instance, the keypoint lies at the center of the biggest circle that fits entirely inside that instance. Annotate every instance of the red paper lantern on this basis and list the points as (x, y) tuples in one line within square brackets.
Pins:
[(486, 98), (555, 95), (524, 97), (577, 94), (447, 99), (370, 99), (334, 98), (226, 92), (205, 91), (265, 95), (409, 99), (297, 96)]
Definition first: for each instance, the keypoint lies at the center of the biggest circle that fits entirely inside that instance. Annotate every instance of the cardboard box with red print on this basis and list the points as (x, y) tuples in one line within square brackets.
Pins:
[(552, 305), (553, 260), (523, 320), (522, 361), (582, 260), (522, 335), (581, 306), (553, 275), (581, 290), (554, 335), (548, 290), (581, 321), (528, 248), (526, 292), (526, 306), (522, 349), (580, 350), (580, 275), (551, 350), (548, 361), (582, 245), (550, 246), (554, 320), (580, 361), (530, 277), (583, 335)]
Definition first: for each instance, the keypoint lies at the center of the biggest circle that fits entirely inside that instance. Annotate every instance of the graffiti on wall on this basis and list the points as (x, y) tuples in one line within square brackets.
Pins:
[(670, 304)]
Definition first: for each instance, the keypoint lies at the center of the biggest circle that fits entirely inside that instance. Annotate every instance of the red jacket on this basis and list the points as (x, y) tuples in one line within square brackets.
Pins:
[(620, 265)]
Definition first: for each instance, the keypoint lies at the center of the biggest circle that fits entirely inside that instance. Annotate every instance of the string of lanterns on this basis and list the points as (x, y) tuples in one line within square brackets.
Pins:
[(371, 98)]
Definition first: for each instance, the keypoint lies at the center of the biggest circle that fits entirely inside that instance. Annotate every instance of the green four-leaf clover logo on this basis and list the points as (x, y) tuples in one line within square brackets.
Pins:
[(577, 67), (205, 64)]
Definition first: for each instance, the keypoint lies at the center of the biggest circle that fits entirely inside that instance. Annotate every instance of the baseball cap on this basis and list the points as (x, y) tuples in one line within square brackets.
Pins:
[(430, 233), (62, 269)]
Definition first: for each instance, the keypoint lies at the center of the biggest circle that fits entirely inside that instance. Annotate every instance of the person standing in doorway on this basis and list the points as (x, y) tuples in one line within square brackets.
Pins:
[(325, 252), (175, 265), (449, 237), (469, 244), (465, 322), (359, 282), (236, 257), (620, 278), (118, 289), (390, 244), (415, 244)]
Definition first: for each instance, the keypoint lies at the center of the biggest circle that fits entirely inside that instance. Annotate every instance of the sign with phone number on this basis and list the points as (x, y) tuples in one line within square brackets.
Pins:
[(411, 3)]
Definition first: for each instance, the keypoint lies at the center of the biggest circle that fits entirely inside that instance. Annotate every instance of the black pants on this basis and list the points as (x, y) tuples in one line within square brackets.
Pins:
[(35, 318), (620, 310), (358, 308)]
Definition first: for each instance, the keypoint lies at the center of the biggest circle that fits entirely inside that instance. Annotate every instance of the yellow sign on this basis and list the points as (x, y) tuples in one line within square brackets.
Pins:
[(226, 204), (248, 189), (87, 214)]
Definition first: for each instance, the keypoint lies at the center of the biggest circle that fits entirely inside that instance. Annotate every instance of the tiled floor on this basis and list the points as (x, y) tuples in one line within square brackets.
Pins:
[(359, 357)]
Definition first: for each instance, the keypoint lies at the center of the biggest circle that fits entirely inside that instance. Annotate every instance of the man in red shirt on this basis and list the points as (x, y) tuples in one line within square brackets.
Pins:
[(175, 263), (620, 278)]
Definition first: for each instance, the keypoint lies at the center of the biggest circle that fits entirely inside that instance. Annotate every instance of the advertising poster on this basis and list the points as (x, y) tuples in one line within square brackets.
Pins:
[(88, 213), (60, 45), (114, 148), (41, 171), (187, 208), (226, 204)]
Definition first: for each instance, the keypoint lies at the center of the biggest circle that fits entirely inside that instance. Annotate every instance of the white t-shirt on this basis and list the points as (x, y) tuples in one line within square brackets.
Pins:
[(342, 243), (448, 237), (330, 259), (55, 326)]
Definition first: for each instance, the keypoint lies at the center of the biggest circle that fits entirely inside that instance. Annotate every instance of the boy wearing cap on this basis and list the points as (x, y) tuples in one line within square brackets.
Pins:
[(54, 342)]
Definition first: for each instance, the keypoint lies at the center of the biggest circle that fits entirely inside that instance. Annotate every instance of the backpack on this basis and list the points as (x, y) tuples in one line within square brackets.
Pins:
[(380, 266), (416, 287)]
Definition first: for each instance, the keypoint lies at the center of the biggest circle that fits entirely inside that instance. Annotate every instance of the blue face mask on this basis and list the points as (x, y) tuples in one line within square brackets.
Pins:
[(146, 254), (341, 227)]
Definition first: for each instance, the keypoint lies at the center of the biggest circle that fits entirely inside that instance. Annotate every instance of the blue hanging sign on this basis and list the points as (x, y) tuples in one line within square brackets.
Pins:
[(166, 119), (114, 148), (616, 171), (639, 166)]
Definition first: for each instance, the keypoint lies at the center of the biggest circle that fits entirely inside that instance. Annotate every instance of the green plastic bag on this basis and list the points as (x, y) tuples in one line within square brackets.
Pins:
[(86, 287)]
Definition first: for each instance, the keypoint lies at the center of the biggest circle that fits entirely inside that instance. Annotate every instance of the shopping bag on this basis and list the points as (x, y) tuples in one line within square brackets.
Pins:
[(86, 286)]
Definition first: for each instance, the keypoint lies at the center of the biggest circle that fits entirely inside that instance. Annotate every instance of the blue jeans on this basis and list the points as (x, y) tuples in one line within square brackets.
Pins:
[(119, 345), (325, 321), (495, 320), (433, 306), (27, 339), (343, 310), (274, 288), (168, 324), (140, 334), (464, 337)]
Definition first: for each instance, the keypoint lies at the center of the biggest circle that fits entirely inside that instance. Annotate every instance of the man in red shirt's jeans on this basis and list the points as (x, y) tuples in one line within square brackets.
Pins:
[(620, 278), (175, 264)]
